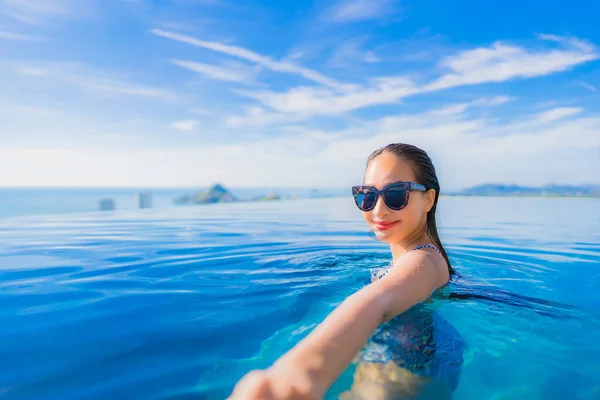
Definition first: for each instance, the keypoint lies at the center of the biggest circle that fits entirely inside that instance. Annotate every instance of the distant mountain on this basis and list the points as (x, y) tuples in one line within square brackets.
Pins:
[(270, 196), (214, 194), (552, 190)]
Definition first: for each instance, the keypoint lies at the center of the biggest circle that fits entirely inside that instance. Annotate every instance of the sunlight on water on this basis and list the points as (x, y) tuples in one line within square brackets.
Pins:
[(179, 303)]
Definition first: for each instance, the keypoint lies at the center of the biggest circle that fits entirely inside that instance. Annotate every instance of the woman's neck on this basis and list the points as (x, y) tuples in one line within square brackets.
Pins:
[(409, 243)]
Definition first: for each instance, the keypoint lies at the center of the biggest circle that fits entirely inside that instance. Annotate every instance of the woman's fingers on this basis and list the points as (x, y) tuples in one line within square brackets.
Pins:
[(255, 385)]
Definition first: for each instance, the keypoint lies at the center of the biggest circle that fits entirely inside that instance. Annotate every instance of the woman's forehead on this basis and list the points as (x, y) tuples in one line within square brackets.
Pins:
[(388, 168)]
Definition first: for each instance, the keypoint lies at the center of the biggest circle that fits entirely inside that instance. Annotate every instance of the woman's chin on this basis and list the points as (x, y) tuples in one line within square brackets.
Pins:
[(384, 236)]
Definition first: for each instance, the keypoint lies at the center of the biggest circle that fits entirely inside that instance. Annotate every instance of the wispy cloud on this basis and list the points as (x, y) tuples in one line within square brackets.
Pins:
[(37, 11), (494, 101), (458, 108), (305, 124), (497, 63), (200, 2), (525, 151), (92, 81), (502, 62), (359, 10), (187, 125), (202, 111), (248, 55), (371, 57), (21, 37), (240, 73), (557, 113), (350, 52), (323, 101), (256, 116), (588, 86), (28, 109)]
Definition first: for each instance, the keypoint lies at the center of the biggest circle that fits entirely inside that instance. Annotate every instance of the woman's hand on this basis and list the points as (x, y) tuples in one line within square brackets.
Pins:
[(255, 385), (264, 385)]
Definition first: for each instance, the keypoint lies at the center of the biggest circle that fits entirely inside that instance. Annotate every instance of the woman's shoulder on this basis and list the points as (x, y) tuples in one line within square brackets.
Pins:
[(423, 262), (432, 255), (423, 254)]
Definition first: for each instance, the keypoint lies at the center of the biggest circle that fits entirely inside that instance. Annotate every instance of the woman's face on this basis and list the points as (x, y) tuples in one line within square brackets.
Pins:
[(395, 226)]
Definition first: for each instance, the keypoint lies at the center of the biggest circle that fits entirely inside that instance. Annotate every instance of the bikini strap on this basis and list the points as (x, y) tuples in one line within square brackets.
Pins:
[(429, 246)]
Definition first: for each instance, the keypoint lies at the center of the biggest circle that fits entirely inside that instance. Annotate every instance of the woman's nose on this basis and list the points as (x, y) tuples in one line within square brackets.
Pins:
[(381, 209)]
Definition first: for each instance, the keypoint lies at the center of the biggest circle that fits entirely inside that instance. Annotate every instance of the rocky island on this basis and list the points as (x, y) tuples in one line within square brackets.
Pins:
[(551, 190), (214, 194), (217, 193), (271, 196)]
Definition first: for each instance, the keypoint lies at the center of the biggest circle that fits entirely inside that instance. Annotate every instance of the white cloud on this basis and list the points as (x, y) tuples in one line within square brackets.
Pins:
[(472, 151), (468, 149), (465, 151), (248, 55), (557, 113), (235, 73), (21, 37), (257, 116), (351, 51), (503, 62), (187, 125), (321, 101), (371, 57), (452, 109), (202, 111), (569, 41), (199, 2), (38, 11), (39, 7), (494, 101), (462, 107), (588, 87), (11, 107), (90, 80), (359, 10), (124, 88), (497, 63)]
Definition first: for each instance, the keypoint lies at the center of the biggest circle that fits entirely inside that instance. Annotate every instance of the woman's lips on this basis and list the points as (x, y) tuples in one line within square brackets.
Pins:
[(384, 225)]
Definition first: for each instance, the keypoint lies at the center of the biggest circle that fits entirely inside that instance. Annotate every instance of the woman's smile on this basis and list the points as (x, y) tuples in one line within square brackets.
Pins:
[(384, 225)]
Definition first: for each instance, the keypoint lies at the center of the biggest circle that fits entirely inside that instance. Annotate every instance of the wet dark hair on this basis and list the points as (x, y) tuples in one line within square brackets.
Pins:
[(426, 176)]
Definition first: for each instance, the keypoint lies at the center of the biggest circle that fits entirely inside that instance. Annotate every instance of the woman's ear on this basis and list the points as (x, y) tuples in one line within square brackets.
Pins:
[(429, 199)]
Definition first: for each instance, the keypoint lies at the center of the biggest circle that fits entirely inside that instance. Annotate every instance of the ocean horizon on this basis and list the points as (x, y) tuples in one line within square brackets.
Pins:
[(28, 201), (20, 202)]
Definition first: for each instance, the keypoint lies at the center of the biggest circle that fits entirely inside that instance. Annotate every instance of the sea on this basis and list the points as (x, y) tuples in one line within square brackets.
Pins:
[(179, 302)]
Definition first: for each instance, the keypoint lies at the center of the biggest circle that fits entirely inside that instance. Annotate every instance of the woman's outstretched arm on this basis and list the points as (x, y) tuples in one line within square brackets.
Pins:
[(309, 368)]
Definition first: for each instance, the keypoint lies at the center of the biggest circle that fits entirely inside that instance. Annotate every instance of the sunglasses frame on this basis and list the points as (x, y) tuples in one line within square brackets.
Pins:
[(407, 186)]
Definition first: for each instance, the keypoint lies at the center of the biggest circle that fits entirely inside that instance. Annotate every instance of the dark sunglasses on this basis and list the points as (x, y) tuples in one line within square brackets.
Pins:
[(395, 195)]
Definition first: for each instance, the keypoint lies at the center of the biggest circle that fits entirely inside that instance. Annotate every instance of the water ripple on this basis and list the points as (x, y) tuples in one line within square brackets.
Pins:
[(179, 303)]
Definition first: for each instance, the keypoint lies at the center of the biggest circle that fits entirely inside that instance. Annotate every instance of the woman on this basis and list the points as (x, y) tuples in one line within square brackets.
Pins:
[(404, 356)]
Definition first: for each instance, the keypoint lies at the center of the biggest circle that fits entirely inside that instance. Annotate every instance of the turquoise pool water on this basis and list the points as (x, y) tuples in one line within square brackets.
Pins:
[(178, 303)]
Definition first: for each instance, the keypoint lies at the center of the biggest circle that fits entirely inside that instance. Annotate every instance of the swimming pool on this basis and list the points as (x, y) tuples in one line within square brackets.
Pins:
[(179, 303)]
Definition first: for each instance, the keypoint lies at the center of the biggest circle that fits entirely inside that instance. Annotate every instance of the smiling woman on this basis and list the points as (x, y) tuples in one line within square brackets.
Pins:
[(407, 344)]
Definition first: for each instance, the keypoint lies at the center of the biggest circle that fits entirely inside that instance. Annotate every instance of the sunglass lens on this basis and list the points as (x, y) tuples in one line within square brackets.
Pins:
[(365, 199), (395, 197)]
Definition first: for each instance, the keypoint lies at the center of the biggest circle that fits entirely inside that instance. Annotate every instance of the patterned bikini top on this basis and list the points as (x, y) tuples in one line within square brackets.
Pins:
[(379, 273)]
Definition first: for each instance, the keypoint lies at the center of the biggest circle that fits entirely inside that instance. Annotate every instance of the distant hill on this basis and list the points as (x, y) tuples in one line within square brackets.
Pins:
[(493, 189), (214, 194)]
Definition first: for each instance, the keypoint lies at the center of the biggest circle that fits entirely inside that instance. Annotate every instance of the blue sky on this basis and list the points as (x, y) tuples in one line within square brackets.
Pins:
[(281, 93)]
